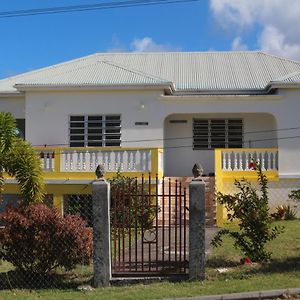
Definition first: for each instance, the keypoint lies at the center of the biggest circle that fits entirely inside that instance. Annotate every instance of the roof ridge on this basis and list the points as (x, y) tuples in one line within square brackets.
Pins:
[(49, 67), (94, 63), (138, 72), (174, 52), (280, 57), (290, 75)]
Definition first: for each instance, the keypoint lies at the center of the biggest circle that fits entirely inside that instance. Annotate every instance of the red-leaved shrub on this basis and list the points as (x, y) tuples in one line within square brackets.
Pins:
[(38, 239)]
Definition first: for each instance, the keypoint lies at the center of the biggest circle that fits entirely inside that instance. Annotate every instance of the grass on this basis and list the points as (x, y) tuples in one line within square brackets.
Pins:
[(282, 272)]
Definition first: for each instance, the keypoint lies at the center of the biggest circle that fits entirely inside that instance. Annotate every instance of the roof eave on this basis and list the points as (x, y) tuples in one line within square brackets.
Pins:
[(13, 94), (52, 87), (221, 92), (284, 85)]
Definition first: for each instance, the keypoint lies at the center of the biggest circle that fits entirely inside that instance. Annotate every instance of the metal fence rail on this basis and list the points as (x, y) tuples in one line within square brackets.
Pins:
[(149, 228)]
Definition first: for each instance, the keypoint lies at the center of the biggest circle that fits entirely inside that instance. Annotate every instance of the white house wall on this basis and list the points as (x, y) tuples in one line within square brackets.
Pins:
[(16, 106), (288, 117), (47, 115), (179, 142)]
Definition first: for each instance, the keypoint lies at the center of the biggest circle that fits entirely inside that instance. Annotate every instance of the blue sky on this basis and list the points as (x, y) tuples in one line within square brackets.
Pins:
[(32, 42)]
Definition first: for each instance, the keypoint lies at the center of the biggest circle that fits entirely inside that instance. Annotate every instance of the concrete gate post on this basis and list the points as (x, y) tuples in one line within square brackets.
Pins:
[(197, 229), (101, 233)]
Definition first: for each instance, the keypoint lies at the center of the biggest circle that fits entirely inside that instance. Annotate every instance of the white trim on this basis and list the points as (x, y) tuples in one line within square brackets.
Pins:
[(15, 94), (289, 175), (221, 97), (50, 87)]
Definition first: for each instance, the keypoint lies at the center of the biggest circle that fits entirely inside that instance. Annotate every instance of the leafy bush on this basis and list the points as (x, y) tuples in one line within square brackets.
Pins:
[(295, 195), (251, 209), (284, 212), (130, 203), (38, 239)]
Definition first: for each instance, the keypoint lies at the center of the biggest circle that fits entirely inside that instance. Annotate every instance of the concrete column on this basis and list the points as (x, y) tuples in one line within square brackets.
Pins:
[(101, 230), (58, 201), (197, 229)]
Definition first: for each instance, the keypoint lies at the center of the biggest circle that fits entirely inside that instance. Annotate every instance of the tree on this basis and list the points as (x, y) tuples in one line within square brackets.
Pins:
[(250, 207), (18, 159)]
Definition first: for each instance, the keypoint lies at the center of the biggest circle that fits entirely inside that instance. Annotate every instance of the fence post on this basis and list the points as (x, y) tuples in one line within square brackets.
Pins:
[(101, 233), (197, 229)]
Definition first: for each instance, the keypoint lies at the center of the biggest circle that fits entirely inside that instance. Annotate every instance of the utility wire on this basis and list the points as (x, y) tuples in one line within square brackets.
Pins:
[(181, 146), (191, 137), (87, 7)]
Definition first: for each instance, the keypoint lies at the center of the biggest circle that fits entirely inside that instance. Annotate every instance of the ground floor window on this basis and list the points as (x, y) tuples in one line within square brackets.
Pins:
[(217, 133), (95, 131)]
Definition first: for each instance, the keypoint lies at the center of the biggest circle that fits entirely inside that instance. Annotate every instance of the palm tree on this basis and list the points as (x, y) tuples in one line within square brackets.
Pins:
[(18, 159)]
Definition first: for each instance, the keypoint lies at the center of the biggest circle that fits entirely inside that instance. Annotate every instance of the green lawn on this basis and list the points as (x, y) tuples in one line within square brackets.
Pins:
[(282, 272)]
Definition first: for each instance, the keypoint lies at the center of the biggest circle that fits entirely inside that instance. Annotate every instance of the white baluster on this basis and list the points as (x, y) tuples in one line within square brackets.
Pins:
[(51, 162), (97, 158), (269, 160), (246, 161), (235, 162), (274, 160), (116, 161), (92, 159), (147, 160), (109, 162), (262, 154), (72, 157), (229, 161), (79, 162), (65, 161), (134, 153), (241, 161), (122, 161), (224, 165)]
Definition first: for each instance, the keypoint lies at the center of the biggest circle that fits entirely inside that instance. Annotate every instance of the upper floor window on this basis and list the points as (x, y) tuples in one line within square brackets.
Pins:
[(95, 131), (217, 133)]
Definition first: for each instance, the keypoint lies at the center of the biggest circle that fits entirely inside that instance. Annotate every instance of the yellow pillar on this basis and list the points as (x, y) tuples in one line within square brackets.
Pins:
[(219, 185), (58, 202), (156, 157)]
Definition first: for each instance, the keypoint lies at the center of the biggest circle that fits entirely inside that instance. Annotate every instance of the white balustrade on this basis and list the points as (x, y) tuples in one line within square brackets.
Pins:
[(47, 160), (113, 161), (239, 160)]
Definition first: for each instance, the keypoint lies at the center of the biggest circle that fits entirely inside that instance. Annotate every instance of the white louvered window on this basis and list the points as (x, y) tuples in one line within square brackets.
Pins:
[(217, 133), (95, 131)]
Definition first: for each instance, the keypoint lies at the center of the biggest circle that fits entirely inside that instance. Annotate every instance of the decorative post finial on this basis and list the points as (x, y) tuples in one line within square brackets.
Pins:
[(197, 171), (100, 172)]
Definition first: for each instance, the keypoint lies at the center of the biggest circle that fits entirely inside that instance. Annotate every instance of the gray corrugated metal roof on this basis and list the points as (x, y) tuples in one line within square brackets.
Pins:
[(189, 71), (290, 78), (98, 72)]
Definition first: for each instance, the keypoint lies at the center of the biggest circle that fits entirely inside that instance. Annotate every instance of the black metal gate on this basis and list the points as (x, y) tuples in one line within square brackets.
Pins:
[(149, 227)]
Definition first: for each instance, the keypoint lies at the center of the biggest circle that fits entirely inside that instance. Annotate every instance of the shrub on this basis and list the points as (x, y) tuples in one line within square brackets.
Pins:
[(37, 239), (295, 195), (284, 212), (130, 203), (251, 209)]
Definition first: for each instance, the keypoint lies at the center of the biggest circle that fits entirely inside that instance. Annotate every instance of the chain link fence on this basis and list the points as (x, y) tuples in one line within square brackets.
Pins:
[(278, 192), (40, 248)]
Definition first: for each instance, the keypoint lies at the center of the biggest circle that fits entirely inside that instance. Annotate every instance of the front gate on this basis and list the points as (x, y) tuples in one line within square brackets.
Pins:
[(149, 227)]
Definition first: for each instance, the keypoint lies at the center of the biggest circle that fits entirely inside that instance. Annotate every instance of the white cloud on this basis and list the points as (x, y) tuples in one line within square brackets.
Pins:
[(147, 44), (237, 45), (116, 46), (278, 20), (275, 42)]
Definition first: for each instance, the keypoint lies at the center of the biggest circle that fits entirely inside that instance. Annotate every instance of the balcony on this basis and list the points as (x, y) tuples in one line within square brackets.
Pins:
[(81, 163), (234, 163)]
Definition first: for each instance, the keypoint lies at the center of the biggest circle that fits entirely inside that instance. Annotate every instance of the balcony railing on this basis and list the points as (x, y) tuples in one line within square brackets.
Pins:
[(81, 160), (239, 159)]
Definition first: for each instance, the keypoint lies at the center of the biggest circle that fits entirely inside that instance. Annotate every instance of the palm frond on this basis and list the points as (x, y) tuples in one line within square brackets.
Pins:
[(8, 131), (24, 164)]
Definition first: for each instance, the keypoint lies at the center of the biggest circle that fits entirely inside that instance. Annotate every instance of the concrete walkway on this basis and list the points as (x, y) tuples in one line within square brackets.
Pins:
[(160, 251), (293, 293)]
